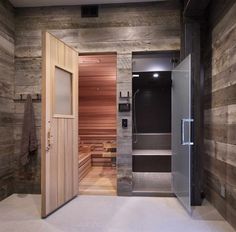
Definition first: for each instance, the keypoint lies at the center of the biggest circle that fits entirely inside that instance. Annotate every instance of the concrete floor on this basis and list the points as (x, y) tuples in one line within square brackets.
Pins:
[(21, 213), (152, 182)]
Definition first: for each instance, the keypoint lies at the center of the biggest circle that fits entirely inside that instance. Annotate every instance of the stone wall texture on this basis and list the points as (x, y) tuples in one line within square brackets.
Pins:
[(6, 98)]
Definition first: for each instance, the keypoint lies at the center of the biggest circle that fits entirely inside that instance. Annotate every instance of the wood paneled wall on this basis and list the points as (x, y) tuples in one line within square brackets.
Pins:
[(6, 97), (97, 95), (121, 28), (97, 103), (220, 109)]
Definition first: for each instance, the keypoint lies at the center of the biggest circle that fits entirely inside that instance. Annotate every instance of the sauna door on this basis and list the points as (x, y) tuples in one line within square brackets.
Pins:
[(59, 124), (181, 132)]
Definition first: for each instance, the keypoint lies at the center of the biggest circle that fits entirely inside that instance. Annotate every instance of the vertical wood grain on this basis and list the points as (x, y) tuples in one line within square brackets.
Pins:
[(61, 160), (53, 161), (68, 160), (75, 123), (59, 156)]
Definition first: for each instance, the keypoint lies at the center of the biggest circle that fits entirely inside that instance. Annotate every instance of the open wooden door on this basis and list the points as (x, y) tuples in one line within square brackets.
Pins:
[(59, 165)]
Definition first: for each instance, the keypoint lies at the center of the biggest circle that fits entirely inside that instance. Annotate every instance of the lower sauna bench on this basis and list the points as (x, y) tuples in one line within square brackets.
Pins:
[(85, 161)]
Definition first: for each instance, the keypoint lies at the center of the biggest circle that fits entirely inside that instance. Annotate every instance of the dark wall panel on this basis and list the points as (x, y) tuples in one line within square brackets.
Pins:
[(153, 102)]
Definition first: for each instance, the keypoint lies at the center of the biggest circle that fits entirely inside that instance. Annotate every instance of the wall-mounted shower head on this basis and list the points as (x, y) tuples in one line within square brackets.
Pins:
[(136, 92)]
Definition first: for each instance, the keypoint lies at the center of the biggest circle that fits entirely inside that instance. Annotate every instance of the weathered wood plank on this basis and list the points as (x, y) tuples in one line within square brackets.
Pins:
[(220, 115), (222, 97), (226, 23), (6, 105), (114, 34), (6, 98), (18, 133), (218, 202), (216, 115), (221, 80), (7, 46), (224, 133), (7, 22), (231, 211), (24, 89), (225, 60), (158, 44), (28, 72), (217, 167), (220, 110), (222, 151), (131, 46), (6, 119), (6, 135), (6, 89), (109, 15), (224, 42)]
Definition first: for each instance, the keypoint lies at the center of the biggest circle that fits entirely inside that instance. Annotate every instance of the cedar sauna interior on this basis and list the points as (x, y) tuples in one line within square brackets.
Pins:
[(97, 124)]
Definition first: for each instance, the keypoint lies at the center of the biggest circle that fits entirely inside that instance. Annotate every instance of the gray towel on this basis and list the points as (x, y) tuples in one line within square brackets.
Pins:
[(29, 143)]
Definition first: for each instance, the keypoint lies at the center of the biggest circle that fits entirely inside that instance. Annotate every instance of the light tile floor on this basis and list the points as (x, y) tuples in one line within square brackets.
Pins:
[(21, 213)]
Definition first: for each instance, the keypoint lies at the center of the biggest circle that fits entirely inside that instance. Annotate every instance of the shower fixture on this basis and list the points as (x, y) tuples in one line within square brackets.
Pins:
[(174, 62)]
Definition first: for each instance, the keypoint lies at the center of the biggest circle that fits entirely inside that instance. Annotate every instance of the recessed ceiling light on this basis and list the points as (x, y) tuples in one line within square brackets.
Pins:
[(155, 75), (135, 75)]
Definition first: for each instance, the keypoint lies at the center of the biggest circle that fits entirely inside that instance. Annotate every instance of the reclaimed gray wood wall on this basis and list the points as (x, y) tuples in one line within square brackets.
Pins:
[(6, 98), (119, 28), (220, 110)]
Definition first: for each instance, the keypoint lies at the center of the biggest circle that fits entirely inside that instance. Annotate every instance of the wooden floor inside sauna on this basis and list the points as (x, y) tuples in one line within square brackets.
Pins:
[(99, 181)]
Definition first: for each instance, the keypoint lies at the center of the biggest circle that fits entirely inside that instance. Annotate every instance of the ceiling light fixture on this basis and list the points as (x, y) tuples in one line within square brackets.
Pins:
[(155, 75), (135, 75)]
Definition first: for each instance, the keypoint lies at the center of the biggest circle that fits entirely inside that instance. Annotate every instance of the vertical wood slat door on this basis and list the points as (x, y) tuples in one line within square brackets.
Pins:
[(59, 166)]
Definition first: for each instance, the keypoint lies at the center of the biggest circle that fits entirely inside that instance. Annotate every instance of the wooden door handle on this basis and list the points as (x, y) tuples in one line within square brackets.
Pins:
[(49, 140)]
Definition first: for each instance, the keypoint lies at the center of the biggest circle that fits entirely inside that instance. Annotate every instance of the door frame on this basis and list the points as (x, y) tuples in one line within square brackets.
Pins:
[(104, 53)]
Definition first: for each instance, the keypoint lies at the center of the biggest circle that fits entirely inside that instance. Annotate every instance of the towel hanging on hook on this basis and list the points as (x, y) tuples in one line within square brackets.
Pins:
[(28, 140)]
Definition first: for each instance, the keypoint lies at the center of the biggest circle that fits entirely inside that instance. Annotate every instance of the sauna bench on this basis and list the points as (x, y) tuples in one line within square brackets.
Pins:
[(151, 152)]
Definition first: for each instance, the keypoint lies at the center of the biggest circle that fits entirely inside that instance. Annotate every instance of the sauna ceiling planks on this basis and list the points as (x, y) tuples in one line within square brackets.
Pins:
[(97, 95)]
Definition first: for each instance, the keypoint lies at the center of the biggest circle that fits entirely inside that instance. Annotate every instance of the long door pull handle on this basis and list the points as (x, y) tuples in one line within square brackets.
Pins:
[(183, 123)]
